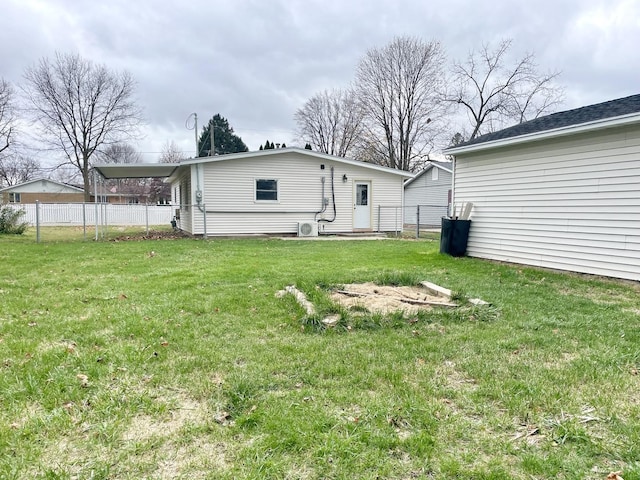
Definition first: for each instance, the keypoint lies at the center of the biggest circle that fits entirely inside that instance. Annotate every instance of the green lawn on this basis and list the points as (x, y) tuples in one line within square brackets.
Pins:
[(175, 359)]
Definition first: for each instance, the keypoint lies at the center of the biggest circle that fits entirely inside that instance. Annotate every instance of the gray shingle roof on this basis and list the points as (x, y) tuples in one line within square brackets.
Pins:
[(577, 116)]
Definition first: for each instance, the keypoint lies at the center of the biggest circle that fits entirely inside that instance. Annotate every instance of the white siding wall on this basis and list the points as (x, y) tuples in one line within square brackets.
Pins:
[(44, 186), (229, 195), (571, 204), (432, 195)]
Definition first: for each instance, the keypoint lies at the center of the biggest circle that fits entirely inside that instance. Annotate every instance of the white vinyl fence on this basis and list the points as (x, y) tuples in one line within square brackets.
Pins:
[(87, 214)]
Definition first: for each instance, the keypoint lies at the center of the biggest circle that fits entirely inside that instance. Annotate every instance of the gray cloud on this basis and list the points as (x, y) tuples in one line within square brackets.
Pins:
[(256, 62)]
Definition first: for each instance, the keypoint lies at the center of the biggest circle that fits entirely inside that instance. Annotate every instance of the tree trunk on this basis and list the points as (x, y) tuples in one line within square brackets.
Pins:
[(86, 178)]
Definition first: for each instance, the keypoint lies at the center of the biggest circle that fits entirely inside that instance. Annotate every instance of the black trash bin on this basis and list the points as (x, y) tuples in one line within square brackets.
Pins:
[(454, 236)]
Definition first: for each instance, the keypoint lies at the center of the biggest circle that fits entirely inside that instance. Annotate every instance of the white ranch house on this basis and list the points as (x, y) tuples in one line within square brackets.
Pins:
[(561, 191), (280, 191)]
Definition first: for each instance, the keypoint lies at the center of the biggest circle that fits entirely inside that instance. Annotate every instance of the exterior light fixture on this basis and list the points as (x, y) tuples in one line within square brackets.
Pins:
[(344, 178)]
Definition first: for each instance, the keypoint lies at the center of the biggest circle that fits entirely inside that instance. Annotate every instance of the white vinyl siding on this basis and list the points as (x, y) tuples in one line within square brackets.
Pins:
[(432, 196), (229, 189), (44, 186), (571, 203)]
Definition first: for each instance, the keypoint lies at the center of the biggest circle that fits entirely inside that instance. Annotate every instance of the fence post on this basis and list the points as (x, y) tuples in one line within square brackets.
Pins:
[(418, 221), (84, 221), (96, 219), (146, 216), (37, 221)]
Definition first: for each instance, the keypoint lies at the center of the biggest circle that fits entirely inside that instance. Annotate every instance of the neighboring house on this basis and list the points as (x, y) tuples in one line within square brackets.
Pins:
[(561, 191), (280, 191), (42, 190), (431, 191)]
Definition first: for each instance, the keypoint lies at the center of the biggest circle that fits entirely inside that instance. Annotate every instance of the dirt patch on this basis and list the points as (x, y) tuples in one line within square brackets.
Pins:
[(369, 297), (152, 235), (186, 410)]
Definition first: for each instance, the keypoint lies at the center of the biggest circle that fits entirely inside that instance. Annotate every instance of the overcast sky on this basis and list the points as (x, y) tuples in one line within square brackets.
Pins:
[(257, 61)]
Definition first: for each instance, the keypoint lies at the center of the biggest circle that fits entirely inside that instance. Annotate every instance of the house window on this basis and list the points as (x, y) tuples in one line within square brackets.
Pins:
[(434, 173), (266, 190), (14, 198), (185, 193)]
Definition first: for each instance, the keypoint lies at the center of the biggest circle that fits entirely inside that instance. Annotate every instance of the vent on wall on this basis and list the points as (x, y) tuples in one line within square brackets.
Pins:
[(307, 229)]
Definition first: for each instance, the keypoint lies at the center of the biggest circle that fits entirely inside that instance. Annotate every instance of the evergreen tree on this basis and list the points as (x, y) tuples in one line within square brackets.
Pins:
[(283, 146), (308, 146), (225, 140)]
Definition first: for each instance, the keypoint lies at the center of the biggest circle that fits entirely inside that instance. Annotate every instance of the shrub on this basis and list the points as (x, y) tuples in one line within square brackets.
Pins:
[(10, 220)]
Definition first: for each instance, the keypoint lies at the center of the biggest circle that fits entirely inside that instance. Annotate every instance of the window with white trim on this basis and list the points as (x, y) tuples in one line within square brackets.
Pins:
[(14, 197), (266, 190)]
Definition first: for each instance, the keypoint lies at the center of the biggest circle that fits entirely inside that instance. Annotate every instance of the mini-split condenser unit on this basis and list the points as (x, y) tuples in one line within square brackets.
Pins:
[(307, 229)]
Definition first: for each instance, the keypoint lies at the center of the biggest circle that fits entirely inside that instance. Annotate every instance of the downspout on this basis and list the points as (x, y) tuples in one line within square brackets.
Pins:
[(452, 208)]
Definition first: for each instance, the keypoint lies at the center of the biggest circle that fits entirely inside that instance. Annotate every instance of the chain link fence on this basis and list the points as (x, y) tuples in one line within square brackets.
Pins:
[(94, 220)]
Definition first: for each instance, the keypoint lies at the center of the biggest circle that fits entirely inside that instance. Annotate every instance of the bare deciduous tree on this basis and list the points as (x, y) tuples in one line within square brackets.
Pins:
[(16, 169), (331, 121), (400, 89), (80, 107), (494, 92), (136, 189), (119, 153), (171, 153), (7, 115)]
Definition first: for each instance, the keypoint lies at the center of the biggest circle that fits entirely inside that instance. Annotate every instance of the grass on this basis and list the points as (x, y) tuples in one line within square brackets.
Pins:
[(175, 359), (78, 233)]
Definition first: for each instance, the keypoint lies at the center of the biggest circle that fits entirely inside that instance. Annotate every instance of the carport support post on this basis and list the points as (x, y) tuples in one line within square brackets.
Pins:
[(105, 229), (418, 221), (95, 198), (37, 221), (379, 208)]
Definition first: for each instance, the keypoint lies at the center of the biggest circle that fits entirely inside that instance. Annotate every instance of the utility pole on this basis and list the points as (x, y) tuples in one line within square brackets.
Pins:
[(195, 130), (213, 147)]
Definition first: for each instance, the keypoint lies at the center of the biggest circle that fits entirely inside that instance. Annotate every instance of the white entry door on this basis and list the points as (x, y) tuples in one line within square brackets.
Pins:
[(362, 205)]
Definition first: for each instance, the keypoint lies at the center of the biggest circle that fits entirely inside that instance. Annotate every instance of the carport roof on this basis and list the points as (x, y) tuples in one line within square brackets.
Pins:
[(137, 170)]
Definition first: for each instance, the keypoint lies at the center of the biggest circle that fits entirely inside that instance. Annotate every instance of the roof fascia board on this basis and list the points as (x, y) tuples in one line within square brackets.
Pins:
[(322, 156)]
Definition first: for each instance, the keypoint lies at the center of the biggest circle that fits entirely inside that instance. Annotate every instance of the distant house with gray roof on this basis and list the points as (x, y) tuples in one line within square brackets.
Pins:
[(427, 195), (561, 191)]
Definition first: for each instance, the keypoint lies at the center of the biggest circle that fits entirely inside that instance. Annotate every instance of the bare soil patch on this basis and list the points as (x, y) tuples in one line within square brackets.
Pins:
[(387, 299), (152, 235)]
